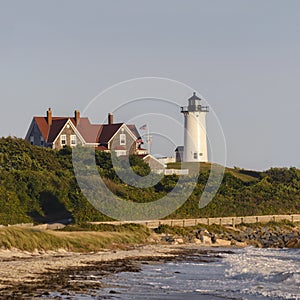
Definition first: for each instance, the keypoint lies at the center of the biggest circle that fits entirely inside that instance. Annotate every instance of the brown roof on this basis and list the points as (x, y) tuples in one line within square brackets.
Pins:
[(108, 131), (133, 130), (57, 126)]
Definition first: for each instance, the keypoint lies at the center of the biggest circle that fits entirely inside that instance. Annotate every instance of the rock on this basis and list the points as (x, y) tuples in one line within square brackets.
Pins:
[(213, 239), (206, 240), (114, 292), (241, 244), (223, 242), (179, 241), (168, 239), (293, 243), (255, 243), (197, 241)]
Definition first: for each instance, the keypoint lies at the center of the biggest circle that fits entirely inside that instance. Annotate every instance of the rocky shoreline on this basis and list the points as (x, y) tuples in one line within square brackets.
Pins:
[(261, 236), (265, 237)]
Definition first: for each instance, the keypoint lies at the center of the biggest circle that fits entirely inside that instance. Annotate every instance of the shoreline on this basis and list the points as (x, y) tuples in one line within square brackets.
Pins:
[(28, 275)]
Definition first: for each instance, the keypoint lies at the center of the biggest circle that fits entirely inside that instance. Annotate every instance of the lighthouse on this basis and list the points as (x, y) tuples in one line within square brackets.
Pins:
[(195, 143)]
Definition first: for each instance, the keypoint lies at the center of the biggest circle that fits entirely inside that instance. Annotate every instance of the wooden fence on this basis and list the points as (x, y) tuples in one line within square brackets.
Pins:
[(229, 221)]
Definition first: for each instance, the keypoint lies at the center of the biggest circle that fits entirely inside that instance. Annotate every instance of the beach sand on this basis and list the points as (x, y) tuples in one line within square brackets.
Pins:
[(26, 275)]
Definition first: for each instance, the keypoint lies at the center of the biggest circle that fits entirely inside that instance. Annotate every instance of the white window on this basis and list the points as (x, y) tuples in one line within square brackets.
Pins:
[(31, 139), (63, 140), (123, 139), (42, 141), (121, 153), (73, 140)]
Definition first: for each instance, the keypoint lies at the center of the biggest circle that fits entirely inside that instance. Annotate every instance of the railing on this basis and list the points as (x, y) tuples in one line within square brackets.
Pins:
[(186, 109)]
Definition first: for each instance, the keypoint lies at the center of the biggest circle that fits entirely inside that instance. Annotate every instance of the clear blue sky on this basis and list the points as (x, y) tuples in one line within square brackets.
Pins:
[(243, 56)]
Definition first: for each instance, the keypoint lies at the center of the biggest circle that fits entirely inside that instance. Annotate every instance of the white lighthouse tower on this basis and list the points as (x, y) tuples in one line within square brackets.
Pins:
[(195, 143)]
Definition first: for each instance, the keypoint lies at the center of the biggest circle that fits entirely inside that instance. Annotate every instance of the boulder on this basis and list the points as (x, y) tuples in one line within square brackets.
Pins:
[(197, 241), (241, 244), (206, 240), (293, 243), (221, 242), (178, 241)]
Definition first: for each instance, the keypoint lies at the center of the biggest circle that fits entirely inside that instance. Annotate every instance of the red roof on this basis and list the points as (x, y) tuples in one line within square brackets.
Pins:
[(101, 148), (49, 133), (43, 126), (91, 133)]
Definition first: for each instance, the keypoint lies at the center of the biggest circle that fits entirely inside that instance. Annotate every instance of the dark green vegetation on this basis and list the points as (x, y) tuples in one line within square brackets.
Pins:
[(38, 185)]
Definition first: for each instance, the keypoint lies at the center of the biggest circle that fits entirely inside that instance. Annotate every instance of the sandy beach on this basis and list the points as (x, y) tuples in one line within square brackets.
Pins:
[(26, 275), (41, 274)]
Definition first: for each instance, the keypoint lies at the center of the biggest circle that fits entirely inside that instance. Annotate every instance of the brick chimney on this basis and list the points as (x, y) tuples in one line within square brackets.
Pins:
[(110, 118), (49, 117), (77, 117)]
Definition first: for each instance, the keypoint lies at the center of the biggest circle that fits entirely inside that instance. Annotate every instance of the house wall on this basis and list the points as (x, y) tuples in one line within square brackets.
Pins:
[(131, 145), (36, 134), (68, 132)]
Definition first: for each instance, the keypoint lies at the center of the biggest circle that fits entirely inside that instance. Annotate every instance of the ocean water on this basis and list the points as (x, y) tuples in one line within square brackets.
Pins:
[(248, 273)]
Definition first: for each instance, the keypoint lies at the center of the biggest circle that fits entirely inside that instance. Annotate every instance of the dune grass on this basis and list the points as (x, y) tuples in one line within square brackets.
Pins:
[(29, 239)]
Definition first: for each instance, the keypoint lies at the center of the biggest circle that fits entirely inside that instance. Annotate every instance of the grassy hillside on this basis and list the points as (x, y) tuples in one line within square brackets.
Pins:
[(38, 185)]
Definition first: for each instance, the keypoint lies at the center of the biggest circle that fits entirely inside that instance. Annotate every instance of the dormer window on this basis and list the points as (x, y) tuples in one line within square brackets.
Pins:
[(63, 140), (122, 139)]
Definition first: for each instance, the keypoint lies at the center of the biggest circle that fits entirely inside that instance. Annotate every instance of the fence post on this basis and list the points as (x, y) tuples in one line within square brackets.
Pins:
[(183, 223)]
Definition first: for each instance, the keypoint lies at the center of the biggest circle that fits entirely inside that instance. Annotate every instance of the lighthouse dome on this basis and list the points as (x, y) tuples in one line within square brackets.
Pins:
[(194, 102)]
